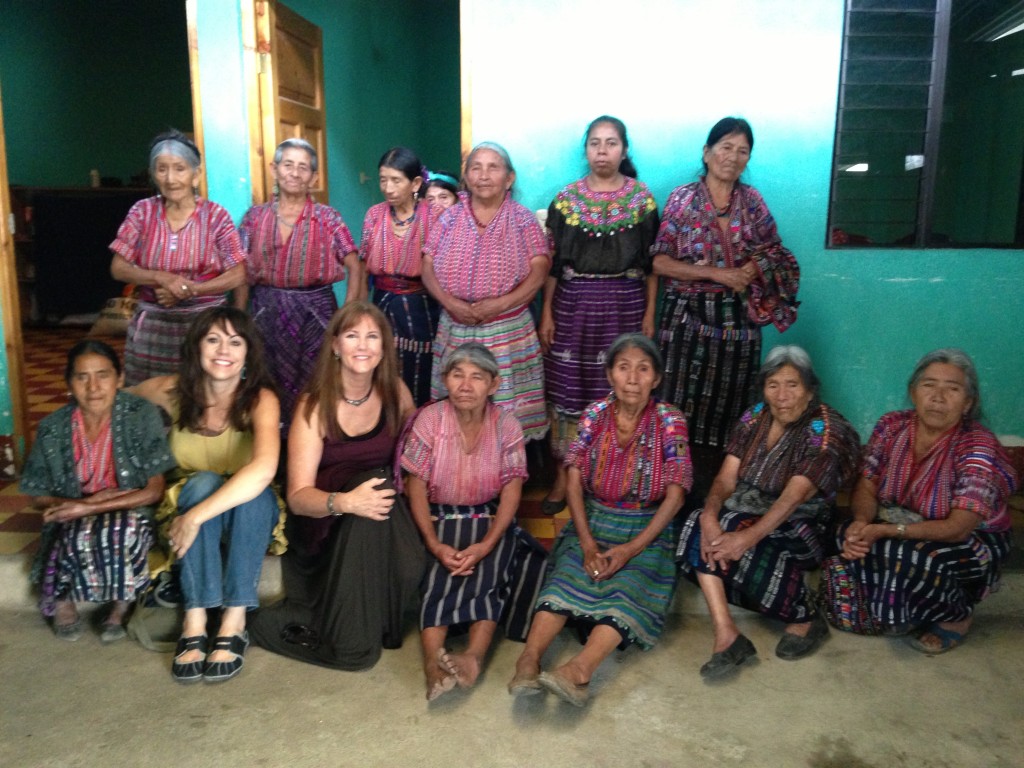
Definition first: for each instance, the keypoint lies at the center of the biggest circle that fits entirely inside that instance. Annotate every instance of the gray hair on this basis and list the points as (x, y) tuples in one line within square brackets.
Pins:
[(792, 355), (177, 144), (959, 358), (297, 144), (499, 150), (474, 353), (634, 341)]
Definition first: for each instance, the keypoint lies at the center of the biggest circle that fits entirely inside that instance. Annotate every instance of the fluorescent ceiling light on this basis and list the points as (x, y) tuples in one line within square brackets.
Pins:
[(913, 162), (1017, 73), (856, 168), (1007, 33)]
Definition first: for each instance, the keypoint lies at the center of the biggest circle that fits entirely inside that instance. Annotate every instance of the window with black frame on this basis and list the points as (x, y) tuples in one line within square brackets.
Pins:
[(929, 148)]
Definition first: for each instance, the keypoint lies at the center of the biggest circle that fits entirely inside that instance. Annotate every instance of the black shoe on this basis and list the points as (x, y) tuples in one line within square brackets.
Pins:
[(220, 671), (793, 647), (189, 671), (727, 661), (167, 592)]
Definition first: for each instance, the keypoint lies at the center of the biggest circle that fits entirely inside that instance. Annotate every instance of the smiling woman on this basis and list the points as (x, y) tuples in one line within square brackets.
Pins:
[(183, 253)]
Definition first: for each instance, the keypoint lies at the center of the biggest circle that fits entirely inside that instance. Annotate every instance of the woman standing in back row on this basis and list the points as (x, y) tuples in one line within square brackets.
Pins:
[(600, 284)]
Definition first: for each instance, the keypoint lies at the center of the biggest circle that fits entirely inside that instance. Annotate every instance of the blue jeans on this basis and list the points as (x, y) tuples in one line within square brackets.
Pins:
[(211, 576)]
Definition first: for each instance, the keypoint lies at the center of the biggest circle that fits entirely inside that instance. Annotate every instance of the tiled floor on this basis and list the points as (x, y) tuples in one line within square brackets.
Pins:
[(45, 355)]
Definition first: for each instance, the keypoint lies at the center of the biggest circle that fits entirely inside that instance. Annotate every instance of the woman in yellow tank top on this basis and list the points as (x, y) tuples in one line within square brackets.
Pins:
[(225, 437)]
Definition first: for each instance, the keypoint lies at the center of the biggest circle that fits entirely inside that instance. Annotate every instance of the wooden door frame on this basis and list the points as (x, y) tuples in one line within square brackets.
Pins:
[(10, 306)]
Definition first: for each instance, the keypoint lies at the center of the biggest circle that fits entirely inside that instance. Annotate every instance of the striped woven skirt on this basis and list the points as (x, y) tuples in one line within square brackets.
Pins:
[(503, 586), (635, 600), (589, 313), (512, 339), (908, 583), (153, 343), (414, 318), (96, 559), (769, 578), (292, 323), (712, 353)]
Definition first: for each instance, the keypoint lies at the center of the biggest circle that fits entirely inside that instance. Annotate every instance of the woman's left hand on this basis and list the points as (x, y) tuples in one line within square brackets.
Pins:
[(487, 309), (469, 557), (728, 548), (647, 326), (65, 512), (182, 533), (608, 563)]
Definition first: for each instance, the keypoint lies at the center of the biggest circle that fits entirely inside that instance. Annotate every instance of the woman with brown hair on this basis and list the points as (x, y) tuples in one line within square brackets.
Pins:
[(355, 559)]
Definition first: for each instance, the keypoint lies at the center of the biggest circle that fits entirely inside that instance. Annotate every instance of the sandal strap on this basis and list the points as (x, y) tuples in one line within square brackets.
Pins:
[(236, 644), (193, 643)]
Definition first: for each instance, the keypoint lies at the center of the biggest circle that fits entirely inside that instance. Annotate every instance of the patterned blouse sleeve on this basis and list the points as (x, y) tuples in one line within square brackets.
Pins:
[(667, 239), (649, 226), (578, 454), (418, 453), (126, 242), (830, 452), (341, 239), (556, 228), (875, 461), (513, 451), (229, 245), (677, 468), (743, 431), (763, 223), (437, 231), (534, 237), (366, 238), (984, 475)]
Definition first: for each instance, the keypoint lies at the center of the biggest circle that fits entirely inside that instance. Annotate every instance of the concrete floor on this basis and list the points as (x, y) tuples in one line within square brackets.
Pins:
[(858, 703)]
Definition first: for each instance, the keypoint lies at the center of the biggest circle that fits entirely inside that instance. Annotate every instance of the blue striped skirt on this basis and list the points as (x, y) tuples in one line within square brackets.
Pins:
[(634, 600)]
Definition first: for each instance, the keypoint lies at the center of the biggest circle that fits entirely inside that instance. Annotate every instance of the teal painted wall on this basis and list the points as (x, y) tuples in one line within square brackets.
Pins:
[(391, 77), (87, 85), (670, 68)]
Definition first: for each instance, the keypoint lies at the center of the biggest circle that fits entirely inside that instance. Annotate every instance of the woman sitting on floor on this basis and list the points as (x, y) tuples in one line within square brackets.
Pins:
[(95, 470), (614, 570), (467, 464), (225, 436), (354, 559), (930, 524), (763, 522)]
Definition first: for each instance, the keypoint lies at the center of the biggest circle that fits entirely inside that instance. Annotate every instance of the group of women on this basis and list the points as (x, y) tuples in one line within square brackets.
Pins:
[(390, 507)]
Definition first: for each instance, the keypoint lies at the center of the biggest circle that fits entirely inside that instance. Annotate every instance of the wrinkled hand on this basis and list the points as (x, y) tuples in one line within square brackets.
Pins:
[(182, 534), (728, 548), (647, 326), (109, 493), (859, 538), (165, 298), (65, 512), (710, 531), (469, 558), (448, 557), (486, 310), (369, 501), (735, 278), (462, 312), (546, 331), (612, 561)]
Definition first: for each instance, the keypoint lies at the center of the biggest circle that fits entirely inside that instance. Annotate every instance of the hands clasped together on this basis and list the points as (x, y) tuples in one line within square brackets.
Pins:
[(600, 566), (719, 549)]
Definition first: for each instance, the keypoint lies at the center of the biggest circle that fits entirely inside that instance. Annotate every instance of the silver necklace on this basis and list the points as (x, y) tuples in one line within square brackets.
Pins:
[(360, 401)]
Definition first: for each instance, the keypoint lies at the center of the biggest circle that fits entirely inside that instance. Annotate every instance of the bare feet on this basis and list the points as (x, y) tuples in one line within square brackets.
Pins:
[(439, 679), (464, 666)]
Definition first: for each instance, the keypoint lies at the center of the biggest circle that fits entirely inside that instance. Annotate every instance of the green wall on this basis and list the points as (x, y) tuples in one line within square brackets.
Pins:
[(391, 77), (88, 84), (867, 315)]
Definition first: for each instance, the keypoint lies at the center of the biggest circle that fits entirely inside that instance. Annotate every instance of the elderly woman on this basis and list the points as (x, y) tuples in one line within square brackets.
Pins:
[(762, 526), (484, 262), (183, 253), (95, 470), (297, 249), (600, 285), (726, 274), (613, 571), (394, 233), (225, 436), (466, 465), (932, 494), (354, 559), (441, 189)]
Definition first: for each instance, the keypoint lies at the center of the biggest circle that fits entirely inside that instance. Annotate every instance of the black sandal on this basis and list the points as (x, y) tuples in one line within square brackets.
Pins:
[(220, 671), (189, 671)]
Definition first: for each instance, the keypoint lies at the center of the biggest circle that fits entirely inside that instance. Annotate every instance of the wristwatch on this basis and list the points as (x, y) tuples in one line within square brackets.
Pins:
[(901, 530)]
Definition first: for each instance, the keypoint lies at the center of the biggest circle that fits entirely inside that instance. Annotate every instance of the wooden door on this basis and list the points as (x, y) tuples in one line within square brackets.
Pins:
[(289, 98), (11, 457)]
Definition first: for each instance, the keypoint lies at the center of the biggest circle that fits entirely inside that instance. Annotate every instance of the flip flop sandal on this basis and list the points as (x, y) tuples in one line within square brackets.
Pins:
[(948, 640)]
